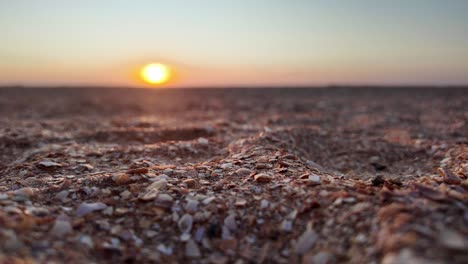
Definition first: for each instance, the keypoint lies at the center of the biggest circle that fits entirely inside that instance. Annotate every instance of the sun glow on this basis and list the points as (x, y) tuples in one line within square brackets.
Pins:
[(155, 73)]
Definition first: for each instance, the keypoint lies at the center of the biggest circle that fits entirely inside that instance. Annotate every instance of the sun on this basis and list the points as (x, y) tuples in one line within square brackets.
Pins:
[(155, 73)]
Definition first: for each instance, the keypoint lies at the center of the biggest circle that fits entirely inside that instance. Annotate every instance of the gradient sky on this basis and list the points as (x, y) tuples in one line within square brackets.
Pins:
[(235, 42)]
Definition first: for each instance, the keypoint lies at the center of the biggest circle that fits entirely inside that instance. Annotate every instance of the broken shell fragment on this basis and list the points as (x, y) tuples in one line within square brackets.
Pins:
[(262, 178), (86, 208)]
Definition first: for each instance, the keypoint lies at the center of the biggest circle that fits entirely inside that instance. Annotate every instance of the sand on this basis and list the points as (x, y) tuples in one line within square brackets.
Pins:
[(334, 175)]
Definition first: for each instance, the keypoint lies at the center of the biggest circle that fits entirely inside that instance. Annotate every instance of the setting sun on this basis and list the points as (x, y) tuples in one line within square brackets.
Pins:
[(155, 73)]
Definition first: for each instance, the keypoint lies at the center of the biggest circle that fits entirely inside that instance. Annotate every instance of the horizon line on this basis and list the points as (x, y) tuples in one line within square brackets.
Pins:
[(236, 86)]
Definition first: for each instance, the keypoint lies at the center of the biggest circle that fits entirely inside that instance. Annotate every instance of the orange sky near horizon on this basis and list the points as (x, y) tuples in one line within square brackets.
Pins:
[(234, 43)]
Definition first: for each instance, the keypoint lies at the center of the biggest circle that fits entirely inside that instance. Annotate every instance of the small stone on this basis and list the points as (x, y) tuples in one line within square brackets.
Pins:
[(286, 225), (61, 228), (47, 165), (85, 167), (454, 240), (243, 172), (199, 234), (108, 211), (121, 179), (203, 141), (86, 208), (191, 183), (166, 250), (125, 194), (361, 238), (448, 176), (192, 250), (305, 242), (138, 171), (322, 258), (230, 222), (261, 166), (164, 198), (185, 223), (313, 179), (378, 166), (10, 241), (262, 178), (378, 180), (208, 200), (25, 192), (87, 241), (149, 195), (62, 195), (240, 202), (150, 233), (160, 184), (226, 166), (192, 206), (264, 204), (37, 211), (168, 171), (185, 237), (405, 256)]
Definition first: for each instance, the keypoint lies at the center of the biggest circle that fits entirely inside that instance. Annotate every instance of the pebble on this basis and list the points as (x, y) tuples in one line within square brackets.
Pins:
[(168, 171), (86, 208), (305, 242), (121, 179), (199, 234), (49, 165), (322, 257), (262, 177), (243, 172), (37, 211), (165, 198), (208, 200), (349, 200), (137, 171), (192, 205), (240, 202), (264, 204), (185, 237), (230, 222), (160, 184), (225, 166), (185, 223), (448, 176), (261, 166), (125, 194), (26, 192), (453, 240), (378, 180), (10, 241), (286, 225), (166, 250), (85, 167), (62, 195), (203, 141), (405, 256), (192, 250), (149, 195), (87, 241), (61, 228), (314, 179), (191, 183)]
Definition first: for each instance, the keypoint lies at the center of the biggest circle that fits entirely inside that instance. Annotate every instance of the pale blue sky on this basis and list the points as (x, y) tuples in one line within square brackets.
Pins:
[(235, 42)]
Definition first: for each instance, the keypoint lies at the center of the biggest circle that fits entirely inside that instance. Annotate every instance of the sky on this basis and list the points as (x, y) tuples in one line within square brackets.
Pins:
[(234, 42)]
